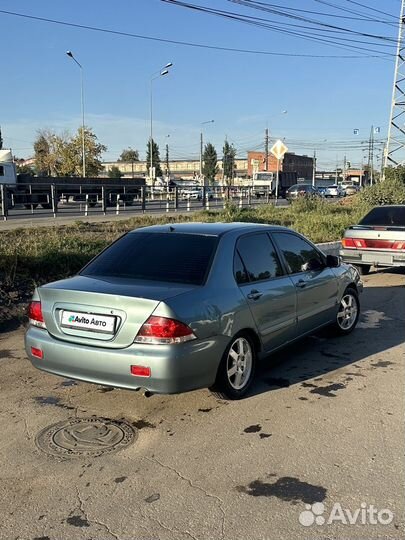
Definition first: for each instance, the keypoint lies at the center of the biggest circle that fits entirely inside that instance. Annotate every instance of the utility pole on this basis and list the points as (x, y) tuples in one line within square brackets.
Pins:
[(344, 170), (395, 149), (371, 155), (314, 169), (167, 160), (70, 54), (201, 152), (266, 149)]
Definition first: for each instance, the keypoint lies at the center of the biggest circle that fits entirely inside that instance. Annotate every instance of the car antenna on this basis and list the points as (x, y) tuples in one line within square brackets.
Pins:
[(171, 228)]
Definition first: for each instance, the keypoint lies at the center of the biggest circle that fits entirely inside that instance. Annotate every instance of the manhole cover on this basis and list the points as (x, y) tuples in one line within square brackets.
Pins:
[(85, 437)]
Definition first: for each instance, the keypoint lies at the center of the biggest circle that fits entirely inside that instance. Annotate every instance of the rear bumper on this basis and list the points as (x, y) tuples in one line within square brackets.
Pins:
[(174, 369), (373, 257)]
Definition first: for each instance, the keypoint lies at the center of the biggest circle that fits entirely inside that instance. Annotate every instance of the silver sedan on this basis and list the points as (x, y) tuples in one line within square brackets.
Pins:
[(173, 308)]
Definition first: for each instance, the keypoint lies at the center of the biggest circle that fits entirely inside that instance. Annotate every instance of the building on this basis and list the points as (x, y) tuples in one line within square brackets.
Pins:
[(302, 165), (187, 169), (358, 177)]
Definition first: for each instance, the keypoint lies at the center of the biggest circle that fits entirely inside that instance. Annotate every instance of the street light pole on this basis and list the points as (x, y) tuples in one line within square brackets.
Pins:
[(202, 143), (70, 54), (161, 73)]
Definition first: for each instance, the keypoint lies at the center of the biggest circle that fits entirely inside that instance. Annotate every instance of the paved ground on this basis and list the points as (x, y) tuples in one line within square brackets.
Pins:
[(323, 425)]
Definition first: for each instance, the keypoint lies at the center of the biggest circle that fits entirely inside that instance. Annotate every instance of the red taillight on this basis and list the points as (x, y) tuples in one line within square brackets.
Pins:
[(354, 243), (348, 243), (372, 244), (35, 314), (162, 330), (140, 371), (38, 353)]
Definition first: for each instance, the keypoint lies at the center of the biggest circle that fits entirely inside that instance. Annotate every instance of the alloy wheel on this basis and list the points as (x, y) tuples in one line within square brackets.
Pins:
[(348, 311), (239, 363)]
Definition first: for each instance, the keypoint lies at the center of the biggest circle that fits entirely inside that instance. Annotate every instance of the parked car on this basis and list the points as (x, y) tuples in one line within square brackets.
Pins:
[(301, 190), (321, 190), (172, 308), (378, 239), (351, 190), (334, 191), (196, 193)]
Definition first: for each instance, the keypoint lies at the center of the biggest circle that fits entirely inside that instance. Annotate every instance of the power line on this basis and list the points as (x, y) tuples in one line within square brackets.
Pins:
[(335, 6), (332, 15), (176, 42), (307, 34), (371, 9)]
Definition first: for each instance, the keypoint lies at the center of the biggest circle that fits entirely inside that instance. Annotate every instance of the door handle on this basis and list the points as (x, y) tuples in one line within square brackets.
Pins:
[(301, 284), (254, 295)]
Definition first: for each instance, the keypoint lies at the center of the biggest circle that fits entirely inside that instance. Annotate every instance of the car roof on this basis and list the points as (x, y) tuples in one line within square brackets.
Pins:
[(300, 185), (212, 229)]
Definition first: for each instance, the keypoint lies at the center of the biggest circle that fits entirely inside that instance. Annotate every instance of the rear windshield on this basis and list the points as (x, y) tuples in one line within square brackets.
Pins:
[(172, 257), (385, 215)]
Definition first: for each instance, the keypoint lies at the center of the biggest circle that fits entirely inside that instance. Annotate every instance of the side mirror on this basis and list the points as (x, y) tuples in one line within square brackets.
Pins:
[(332, 261)]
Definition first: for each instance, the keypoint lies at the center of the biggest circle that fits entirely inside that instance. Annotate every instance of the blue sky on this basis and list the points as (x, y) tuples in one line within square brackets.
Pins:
[(326, 98)]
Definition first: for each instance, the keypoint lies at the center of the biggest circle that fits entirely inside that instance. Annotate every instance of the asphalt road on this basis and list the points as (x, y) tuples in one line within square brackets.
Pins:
[(324, 424), (73, 211)]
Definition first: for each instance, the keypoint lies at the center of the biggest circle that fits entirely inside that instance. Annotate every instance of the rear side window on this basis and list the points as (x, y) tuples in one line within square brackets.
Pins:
[(259, 257), (239, 270), (172, 257), (297, 251), (385, 215)]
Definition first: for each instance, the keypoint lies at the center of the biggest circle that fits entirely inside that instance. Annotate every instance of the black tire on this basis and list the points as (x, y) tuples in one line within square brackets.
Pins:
[(226, 386), (363, 269), (348, 312)]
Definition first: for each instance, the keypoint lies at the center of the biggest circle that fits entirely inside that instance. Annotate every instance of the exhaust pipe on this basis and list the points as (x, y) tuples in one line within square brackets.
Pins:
[(148, 393)]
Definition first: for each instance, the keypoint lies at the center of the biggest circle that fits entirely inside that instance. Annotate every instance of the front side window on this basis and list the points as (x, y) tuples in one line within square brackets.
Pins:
[(297, 252), (259, 257)]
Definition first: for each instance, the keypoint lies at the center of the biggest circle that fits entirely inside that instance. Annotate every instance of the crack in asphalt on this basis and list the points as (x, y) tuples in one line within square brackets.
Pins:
[(27, 431), (173, 530), (194, 486), (95, 521)]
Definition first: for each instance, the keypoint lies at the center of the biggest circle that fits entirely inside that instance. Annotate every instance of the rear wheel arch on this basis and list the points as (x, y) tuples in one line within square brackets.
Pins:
[(253, 336)]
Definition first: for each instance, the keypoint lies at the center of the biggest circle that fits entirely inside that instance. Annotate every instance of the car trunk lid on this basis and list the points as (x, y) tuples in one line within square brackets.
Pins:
[(100, 312)]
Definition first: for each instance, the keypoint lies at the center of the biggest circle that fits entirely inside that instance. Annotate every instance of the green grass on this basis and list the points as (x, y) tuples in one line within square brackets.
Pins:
[(44, 254)]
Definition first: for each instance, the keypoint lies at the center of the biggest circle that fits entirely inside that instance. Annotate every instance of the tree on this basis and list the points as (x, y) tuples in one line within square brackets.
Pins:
[(155, 159), (129, 155), (62, 155), (210, 167), (114, 172), (93, 150), (397, 173), (228, 161), (1, 140), (45, 153), (22, 168)]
